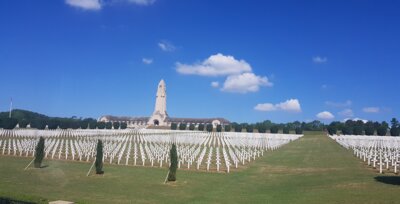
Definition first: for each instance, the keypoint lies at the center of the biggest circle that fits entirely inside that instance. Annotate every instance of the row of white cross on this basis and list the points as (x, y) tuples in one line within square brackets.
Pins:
[(382, 151), (203, 150)]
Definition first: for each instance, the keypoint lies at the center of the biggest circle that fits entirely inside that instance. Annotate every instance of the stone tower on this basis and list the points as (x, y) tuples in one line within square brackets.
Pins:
[(160, 110)]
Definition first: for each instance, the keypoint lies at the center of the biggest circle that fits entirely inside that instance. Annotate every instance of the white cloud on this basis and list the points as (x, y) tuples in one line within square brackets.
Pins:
[(142, 2), (166, 46), (291, 105), (215, 84), (240, 78), (215, 65), (325, 115), (339, 104), (147, 61), (265, 107), (319, 60), (371, 109), (85, 4), (246, 82), (346, 113)]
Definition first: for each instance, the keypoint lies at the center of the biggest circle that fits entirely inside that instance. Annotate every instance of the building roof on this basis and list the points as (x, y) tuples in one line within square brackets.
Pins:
[(123, 118), (197, 120), (169, 119)]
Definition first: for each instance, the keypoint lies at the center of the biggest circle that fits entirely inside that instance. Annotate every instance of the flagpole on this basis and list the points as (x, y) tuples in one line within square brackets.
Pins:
[(10, 108)]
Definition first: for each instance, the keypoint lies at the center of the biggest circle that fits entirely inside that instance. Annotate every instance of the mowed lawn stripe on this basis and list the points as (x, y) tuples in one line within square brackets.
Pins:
[(313, 169)]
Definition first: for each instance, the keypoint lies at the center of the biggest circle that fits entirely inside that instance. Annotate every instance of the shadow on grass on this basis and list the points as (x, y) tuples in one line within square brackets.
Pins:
[(12, 201), (393, 180), (44, 166)]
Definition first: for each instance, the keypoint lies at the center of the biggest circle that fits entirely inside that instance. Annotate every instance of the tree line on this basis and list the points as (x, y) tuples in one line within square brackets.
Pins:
[(261, 127), (24, 118), (360, 127), (349, 127)]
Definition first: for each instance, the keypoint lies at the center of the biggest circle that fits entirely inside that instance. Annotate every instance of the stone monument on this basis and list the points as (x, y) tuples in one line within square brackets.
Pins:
[(160, 115)]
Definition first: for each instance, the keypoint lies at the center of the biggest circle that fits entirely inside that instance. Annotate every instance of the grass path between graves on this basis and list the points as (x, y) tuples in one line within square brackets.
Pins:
[(313, 169)]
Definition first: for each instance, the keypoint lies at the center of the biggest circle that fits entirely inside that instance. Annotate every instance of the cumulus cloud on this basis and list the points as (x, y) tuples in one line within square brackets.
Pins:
[(291, 105), (325, 115), (147, 61), (98, 4), (246, 82), (346, 113), (85, 4), (319, 60), (239, 75), (215, 84), (215, 65), (371, 109), (142, 2), (166, 46), (338, 104)]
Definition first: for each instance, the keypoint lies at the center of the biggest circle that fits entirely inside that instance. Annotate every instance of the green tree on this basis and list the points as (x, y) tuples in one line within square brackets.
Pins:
[(116, 125), (108, 125), (92, 124), (191, 126), (358, 130), (65, 124), (244, 125), (298, 131), (84, 124), (316, 125), (238, 128), (394, 122), (209, 127), (382, 130), (227, 128), (9, 123), (369, 128), (53, 124), (335, 125), (347, 130), (101, 125), (173, 155), (262, 128), (274, 129), (173, 126), (286, 130), (182, 126), (201, 127), (394, 129), (385, 124), (332, 129), (99, 157), (23, 123), (268, 124), (124, 125), (219, 128), (39, 153), (75, 124), (249, 128), (39, 124)]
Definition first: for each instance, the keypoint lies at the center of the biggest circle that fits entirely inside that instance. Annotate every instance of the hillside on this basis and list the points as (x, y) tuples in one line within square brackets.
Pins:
[(24, 114)]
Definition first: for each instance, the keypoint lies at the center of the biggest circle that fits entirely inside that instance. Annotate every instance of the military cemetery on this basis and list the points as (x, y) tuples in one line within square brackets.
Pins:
[(156, 101)]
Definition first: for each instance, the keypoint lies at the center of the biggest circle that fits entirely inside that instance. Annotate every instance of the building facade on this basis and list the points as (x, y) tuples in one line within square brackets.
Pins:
[(160, 116)]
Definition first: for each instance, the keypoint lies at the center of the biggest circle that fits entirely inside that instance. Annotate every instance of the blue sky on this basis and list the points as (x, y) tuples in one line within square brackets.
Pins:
[(246, 61)]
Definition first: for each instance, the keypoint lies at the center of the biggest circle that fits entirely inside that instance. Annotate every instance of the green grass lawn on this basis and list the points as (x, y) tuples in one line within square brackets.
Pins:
[(313, 169)]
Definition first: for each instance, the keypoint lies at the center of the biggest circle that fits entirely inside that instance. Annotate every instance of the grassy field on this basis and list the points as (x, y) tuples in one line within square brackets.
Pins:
[(313, 169)]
